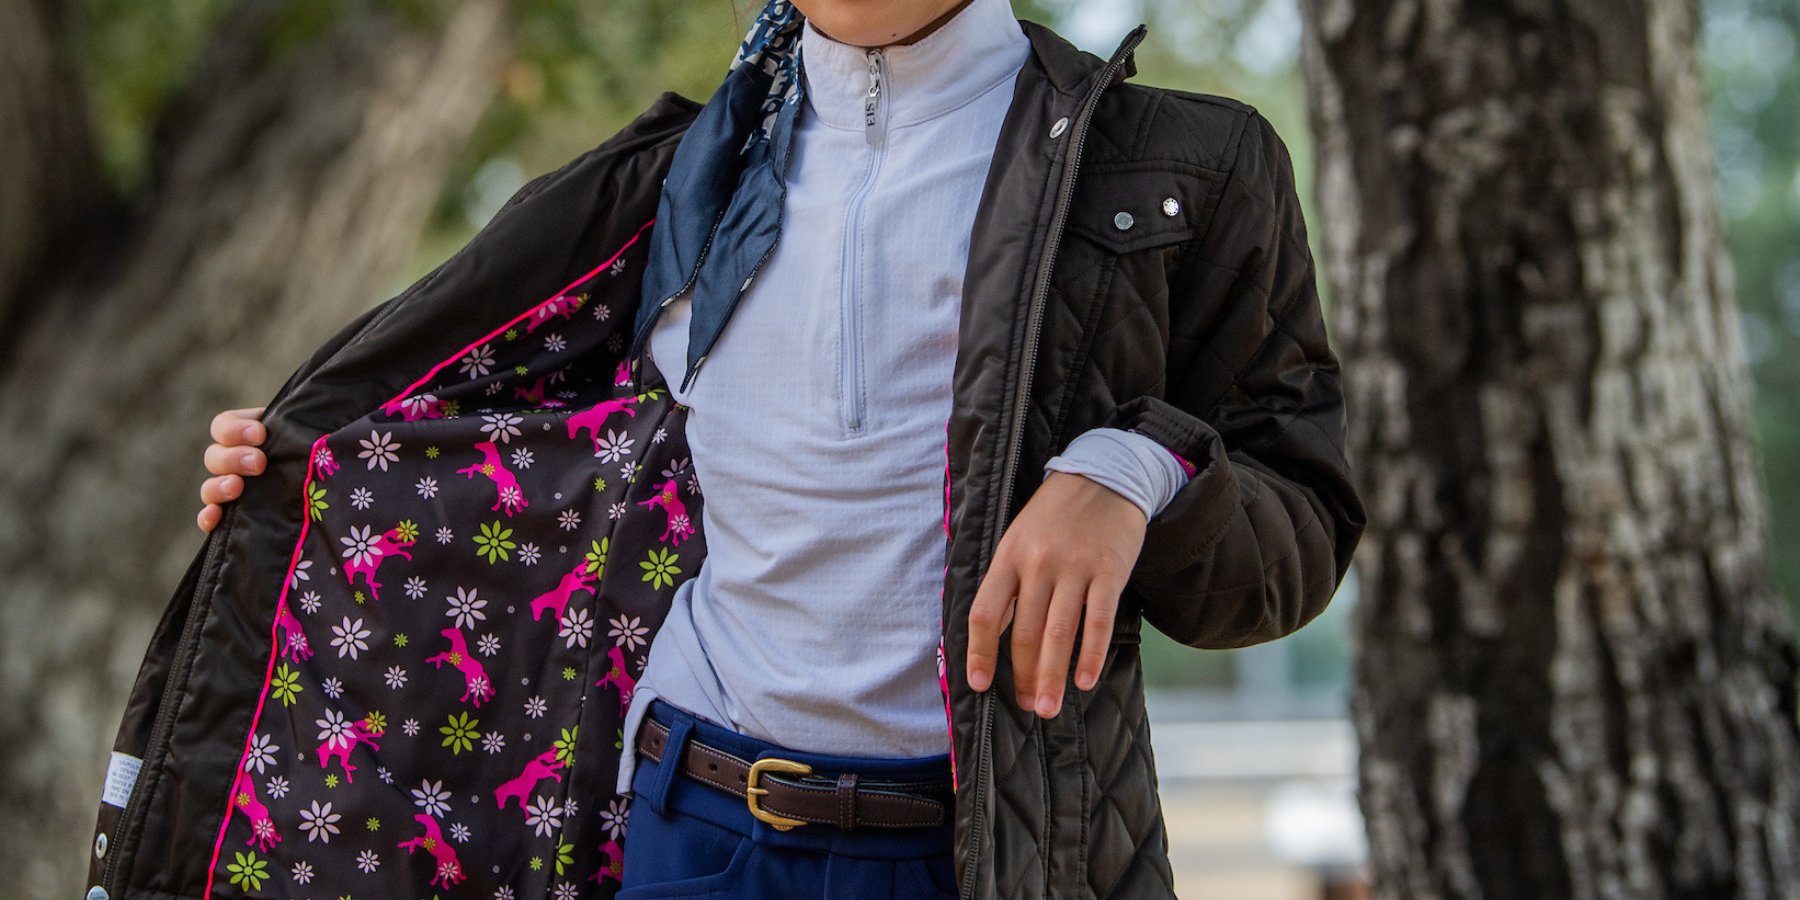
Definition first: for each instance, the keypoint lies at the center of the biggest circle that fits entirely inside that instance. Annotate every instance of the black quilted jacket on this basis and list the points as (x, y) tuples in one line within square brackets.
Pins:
[(399, 665)]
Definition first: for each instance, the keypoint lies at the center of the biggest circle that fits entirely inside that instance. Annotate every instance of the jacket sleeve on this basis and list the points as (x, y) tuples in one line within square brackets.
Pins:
[(1256, 542)]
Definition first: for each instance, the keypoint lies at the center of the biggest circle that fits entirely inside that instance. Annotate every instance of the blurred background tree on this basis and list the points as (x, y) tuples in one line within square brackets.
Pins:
[(194, 194)]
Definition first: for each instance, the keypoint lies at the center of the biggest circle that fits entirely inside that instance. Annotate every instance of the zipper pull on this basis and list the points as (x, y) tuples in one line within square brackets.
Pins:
[(872, 100)]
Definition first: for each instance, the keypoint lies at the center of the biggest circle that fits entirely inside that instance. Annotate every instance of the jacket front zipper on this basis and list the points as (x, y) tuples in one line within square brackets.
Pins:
[(129, 828), (1033, 329), (850, 382)]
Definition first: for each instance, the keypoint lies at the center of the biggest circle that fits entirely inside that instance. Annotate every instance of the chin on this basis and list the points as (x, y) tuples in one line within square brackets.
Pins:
[(871, 23)]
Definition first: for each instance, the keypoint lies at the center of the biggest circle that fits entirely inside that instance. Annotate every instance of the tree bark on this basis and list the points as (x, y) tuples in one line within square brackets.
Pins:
[(290, 183), (1575, 679)]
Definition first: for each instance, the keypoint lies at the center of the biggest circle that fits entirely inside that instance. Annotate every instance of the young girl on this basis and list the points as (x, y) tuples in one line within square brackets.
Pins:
[(947, 240)]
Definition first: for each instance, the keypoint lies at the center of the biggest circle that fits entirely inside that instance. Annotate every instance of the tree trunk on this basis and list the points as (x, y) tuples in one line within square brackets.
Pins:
[(1575, 679), (290, 183)]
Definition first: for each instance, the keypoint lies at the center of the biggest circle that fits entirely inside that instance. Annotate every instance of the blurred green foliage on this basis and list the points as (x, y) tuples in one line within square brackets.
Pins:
[(582, 68)]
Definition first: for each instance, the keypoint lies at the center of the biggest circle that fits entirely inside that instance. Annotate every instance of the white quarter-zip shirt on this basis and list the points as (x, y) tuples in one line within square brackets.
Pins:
[(817, 424)]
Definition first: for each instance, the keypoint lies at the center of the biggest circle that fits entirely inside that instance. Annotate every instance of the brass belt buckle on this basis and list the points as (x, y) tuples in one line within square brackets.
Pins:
[(753, 790)]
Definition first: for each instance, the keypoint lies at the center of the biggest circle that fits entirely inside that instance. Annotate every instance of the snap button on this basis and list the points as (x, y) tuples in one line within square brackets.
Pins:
[(1123, 221), (97, 893), (1061, 126), (100, 845), (1171, 207)]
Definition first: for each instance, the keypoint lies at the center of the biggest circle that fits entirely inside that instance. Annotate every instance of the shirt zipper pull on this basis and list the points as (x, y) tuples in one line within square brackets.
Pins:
[(872, 100)]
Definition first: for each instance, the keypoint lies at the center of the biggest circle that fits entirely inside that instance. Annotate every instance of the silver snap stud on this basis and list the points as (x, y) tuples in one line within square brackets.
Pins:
[(97, 893), (100, 845), (1061, 126), (1171, 207), (1123, 221)]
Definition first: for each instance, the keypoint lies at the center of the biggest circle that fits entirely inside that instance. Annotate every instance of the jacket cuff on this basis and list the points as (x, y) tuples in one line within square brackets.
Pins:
[(1133, 465)]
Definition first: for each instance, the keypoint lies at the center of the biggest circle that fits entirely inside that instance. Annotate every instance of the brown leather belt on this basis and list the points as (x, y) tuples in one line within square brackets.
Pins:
[(847, 801)]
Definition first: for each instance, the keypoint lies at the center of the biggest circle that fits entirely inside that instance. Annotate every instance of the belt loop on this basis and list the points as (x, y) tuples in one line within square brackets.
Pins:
[(670, 764), (846, 806)]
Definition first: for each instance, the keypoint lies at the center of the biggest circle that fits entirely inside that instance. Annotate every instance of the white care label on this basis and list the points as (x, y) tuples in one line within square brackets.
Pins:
[(121, 775)]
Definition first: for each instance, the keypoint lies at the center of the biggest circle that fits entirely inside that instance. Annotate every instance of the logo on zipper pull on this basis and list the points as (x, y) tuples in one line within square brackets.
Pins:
[(872, 100)]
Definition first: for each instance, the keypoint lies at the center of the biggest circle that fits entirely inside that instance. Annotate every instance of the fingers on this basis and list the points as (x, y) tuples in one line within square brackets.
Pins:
[(1096, 631), (1061, 622), (1028, 636), (988, 617), (221, 489), (239, 426), (226, 460), (209, 517)]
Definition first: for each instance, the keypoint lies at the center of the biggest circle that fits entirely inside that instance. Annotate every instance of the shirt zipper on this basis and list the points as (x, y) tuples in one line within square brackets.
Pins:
[(1034, 326), (850, 287)]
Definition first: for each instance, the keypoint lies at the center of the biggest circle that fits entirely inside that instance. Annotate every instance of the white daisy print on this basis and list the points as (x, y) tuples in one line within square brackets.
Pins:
[(529, 554), (501, 428), (577, 628), (319, 822), (612, 818), (459, 832), (333, 730), (535, 707), (488, 645), (427, 488), (396, 677), (303, 873), (431, 797), (569, 520), (415, 587), (445, 536), (378, 449), (277, 787), (348, 637), (333, 687), (465, 608), (555, 343), (565, 891), (418, 405), (367, 861), (493, 742), (300, 573), (309, 601), (362, 498), (616, 510), (478, 361), (262, 753), (522, 458), (359, 545), (411, 727), (616, 446), (544, 816), (627, 632)]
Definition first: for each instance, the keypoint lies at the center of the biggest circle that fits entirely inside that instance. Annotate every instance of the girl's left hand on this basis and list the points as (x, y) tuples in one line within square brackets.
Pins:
[(1058, 571)]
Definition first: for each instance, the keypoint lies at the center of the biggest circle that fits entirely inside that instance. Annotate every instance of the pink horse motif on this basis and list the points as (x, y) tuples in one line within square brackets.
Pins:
[(557, 598), (340, 745), (390, 543), (475, 677), (669, 498), (449, 868), (619, 678), (293, 636), (614, 867), (262, 828), (537, 393), (544, 766), (416, 407), (594, 418), (512, 497), (561, 306), (622, 372)]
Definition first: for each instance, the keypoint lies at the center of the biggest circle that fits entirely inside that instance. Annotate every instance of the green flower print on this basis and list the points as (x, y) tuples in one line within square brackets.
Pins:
[(248, 871), (565, 855), (596, 558), (286, 684), (493, 543), (459, 734), (315, 502), (565, 746), (408, 530), (660, 568)]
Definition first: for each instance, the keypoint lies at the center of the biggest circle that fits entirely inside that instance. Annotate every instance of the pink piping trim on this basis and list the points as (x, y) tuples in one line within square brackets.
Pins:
[(943, 671), (212, 867), (1186, 466)]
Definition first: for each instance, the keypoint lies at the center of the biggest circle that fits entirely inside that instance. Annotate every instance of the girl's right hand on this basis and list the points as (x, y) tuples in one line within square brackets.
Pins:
[(233, 455)]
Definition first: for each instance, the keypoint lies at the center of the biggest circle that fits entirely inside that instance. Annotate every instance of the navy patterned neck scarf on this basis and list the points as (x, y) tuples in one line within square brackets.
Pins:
[(720, 211)]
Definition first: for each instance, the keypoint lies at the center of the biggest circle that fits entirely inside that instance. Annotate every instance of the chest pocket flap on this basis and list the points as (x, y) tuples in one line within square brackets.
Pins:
[(1142, 204)]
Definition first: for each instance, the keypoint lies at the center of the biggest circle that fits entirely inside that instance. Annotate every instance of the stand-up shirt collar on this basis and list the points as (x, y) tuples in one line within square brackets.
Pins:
[(980, 45)]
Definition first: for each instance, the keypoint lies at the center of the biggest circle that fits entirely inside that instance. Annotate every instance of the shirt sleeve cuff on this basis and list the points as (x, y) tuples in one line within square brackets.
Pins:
[(1135, 466)]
